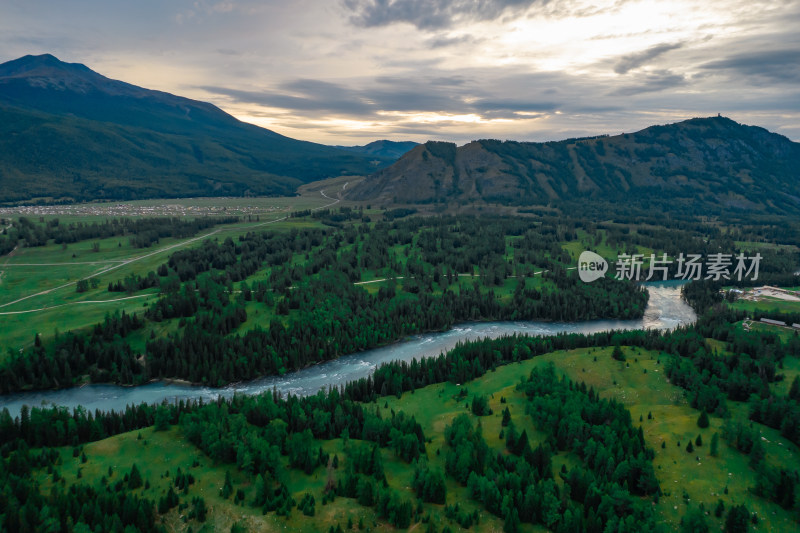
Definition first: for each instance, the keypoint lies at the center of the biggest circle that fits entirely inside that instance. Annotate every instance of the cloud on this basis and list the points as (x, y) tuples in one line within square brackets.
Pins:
[(774, 65), (652, 82), (512, 108), (365, 99), (431, 14), (636, 60), (303, 96), (223, 7), (444, 41), (390, 68)]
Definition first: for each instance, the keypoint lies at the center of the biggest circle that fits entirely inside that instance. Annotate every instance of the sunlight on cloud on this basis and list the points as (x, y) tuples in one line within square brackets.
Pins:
[(577, 41), (500, 76), (432, 118)]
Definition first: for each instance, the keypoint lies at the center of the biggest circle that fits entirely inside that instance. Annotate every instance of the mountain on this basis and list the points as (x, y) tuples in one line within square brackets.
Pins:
[(69, 133), (383, 148), (703, 164)]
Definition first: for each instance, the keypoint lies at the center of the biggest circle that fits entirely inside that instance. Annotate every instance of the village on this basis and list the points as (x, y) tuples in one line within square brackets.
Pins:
[(766, 293), (177, 207)]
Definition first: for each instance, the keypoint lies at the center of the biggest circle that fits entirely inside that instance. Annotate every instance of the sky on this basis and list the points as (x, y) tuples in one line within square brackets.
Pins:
[(347, 72)]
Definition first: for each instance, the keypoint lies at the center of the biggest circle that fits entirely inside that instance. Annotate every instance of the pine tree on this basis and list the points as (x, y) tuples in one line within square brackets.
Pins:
[(694, 522), (689, 447), (506, 417), (794, 391), (162, 418), (714, 445), (757, 454), (737, 519), (135, 478), (703, 421), (511, 524), (617, 353), (227, 488), (261, 491)]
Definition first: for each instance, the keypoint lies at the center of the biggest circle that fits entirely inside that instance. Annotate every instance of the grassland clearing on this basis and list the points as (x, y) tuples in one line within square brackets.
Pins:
[(37, 288)]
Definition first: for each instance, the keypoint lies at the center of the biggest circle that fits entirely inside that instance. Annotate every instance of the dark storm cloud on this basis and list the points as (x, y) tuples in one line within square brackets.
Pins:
[(636, 60), (430, 14), (774, 65)]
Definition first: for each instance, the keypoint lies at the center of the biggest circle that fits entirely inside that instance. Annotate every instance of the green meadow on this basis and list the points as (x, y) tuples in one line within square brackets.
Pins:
[(38, 285), (767, 305)]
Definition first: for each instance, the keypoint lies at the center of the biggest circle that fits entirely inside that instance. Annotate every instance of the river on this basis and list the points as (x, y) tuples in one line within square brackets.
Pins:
[(665, 310)]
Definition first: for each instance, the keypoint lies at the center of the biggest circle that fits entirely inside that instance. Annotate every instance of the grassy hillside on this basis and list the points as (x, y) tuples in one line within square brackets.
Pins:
[(688, 480)]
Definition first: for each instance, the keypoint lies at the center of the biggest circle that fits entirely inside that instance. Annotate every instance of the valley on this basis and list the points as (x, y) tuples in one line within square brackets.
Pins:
[(254, 280), (206, 325)]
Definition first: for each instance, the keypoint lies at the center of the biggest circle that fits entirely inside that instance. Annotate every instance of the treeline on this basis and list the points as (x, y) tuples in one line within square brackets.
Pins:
[(255, 432), (143, 232), (25, 508), (333, 317), (754, 362), (311, 275), (257, 427), (42, 426), (327, 316), (102, 353)]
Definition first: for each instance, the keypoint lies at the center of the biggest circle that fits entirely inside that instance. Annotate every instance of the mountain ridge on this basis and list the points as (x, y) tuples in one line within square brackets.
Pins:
[(68, 133), (383, 148), (711, 162)]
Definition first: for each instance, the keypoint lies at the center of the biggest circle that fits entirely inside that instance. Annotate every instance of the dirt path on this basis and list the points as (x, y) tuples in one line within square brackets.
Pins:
[(337, 199), (313, 209), (124, 262), (114, 267), (75, 303), (9, 256), (63, 264)]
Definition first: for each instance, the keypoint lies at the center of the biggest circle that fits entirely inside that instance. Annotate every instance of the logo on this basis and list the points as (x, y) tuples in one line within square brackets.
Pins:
[(591, 266)]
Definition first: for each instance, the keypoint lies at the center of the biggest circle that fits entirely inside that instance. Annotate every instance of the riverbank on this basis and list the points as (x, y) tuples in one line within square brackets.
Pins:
[(666, 310)]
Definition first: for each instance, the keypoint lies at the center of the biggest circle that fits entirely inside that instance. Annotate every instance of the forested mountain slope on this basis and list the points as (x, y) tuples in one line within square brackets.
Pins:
[(66, 132), (700, 165)]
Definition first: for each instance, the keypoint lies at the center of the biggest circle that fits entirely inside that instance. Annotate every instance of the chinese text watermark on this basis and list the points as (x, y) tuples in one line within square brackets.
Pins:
[(641, 267)]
